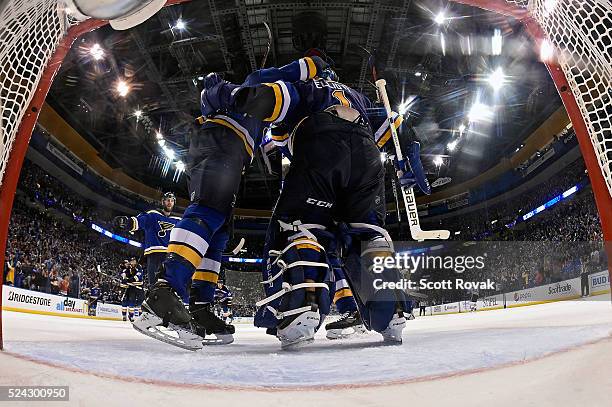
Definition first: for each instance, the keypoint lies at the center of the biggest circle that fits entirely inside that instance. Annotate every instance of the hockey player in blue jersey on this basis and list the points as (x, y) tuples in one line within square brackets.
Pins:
[(94, 295), (156, 224), (218, 154), (131, 282), (223, 298), (336, 177)]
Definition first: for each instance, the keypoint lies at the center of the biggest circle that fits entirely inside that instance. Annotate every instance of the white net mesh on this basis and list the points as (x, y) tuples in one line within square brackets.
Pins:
[(581, 31), (30, 31)]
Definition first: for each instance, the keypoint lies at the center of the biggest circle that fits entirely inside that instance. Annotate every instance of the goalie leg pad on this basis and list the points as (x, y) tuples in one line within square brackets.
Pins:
[(295, 277), (378, 307)]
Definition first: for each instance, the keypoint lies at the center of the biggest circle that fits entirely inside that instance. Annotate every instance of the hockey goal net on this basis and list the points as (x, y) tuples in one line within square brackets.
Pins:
[(35, 36)]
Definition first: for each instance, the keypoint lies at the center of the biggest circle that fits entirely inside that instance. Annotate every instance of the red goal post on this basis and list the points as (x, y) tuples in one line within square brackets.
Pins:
[(36, 35)]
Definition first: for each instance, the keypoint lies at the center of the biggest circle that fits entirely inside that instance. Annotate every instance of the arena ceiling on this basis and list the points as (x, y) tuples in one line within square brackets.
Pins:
[(437, 57)]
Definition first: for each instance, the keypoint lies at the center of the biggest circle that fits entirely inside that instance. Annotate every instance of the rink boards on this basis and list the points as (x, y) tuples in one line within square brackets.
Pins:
[(20, 300)]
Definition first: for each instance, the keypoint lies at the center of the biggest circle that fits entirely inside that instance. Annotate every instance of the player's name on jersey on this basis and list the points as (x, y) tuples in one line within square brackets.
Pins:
[(425, 284)]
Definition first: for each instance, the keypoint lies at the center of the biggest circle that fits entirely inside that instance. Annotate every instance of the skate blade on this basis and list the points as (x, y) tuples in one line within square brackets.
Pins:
[(151, 326), (218, 340), (346, 333)]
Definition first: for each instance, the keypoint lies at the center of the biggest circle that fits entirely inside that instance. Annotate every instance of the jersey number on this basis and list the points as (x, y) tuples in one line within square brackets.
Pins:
[(341, 97)]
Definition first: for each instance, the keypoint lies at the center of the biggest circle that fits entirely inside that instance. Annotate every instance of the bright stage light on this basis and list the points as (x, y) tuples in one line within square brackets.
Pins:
[(497, 79), (438, 160), (96, 52), (159, 136), (461, 128), (180, 24), (440, 18), (479, 112), (452, 145), (547, 50), (496, 42), (180, 165), (122, 88)]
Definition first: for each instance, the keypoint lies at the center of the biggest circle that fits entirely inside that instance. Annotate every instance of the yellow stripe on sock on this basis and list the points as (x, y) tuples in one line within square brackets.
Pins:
[(185, 252), (345, 292), (209, 276)]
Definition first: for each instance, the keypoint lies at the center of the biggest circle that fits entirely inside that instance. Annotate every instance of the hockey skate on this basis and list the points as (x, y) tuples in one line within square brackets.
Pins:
[(349, 324), (207, 323), (393, 333), (165, 318), (295, 332)]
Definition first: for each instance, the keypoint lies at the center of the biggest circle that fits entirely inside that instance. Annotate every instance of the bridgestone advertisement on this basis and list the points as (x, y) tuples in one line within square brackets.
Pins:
[(17, 299)]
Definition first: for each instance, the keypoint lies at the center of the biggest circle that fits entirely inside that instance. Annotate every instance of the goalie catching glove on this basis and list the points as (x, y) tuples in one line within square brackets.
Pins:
[(410, 170)]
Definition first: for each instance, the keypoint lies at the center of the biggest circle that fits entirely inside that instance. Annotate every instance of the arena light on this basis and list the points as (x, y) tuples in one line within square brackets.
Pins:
[(418, 74), (440, 18), (479, 112), (161, 142), (452, 145), (169, 152), (96, 52), (438, 160), (461, 128), (138, 113), (406, 104), (497, 79), (180, 165), (443, 44), (549, 6), (122, 88), (200, 78), (180, 24), (383, 157), (547, 50), (497, 42), (159, 136)]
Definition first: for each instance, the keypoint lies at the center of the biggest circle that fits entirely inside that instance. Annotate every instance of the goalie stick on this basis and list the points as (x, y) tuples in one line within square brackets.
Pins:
[(407, 193)]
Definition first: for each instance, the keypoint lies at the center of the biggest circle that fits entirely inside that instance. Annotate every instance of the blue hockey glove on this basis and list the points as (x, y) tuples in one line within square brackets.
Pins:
[(410, 170)]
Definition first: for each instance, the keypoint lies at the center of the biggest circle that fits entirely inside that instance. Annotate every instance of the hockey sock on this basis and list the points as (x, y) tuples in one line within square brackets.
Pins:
[(207, 272), (189, 242), (346, 303)]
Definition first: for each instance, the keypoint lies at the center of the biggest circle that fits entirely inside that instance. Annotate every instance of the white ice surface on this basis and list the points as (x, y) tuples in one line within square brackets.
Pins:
[(433, 347)]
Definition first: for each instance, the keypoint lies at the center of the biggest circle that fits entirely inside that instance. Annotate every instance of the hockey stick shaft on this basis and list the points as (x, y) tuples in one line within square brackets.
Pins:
[(407, 193), (269, 46)]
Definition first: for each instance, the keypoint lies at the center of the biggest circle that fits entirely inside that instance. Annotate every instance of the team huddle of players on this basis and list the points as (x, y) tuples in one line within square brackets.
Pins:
[(326, 226)]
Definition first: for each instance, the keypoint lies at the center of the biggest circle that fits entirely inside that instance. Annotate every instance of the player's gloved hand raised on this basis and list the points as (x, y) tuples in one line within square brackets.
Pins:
[(410, 170), (320, 64), (212, 79), (122, 222)]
